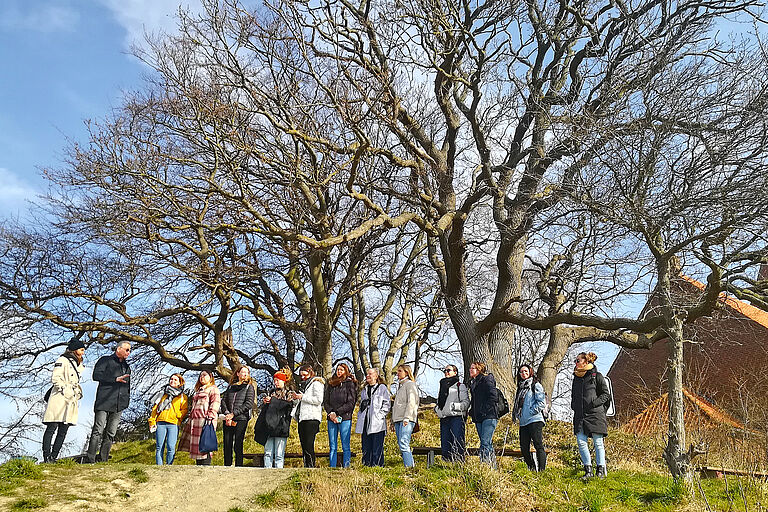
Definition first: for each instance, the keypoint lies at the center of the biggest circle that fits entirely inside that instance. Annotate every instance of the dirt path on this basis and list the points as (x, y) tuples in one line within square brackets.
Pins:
[(168, 488)]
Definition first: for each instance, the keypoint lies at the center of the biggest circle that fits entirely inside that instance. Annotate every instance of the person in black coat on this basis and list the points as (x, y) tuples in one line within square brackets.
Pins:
[(589, 399), (482, 409), (112, 397), (236, 405), (274, 422)]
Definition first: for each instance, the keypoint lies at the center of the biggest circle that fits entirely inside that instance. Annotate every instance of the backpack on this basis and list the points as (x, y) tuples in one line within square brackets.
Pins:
[(502, 406)]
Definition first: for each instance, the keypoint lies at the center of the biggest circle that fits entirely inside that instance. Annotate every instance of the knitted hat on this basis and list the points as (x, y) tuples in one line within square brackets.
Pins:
[(281, 376), (75, 344)]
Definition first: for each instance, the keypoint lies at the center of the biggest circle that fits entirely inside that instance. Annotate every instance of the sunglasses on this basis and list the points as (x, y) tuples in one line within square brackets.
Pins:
[(447, 370)]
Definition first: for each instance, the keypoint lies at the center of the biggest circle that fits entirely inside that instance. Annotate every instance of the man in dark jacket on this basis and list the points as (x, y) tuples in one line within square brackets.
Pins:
[(112, 397)]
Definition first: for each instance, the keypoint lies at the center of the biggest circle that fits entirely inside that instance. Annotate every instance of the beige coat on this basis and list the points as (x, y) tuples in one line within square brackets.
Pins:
[(66, 394), (406, 406)]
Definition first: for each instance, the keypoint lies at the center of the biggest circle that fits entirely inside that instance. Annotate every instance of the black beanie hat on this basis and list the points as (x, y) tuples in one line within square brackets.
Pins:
[(75, 344)]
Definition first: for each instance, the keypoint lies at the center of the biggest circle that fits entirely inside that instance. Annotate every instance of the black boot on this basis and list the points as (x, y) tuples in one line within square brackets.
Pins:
[(601, 473), (541, 459), (587, 473)]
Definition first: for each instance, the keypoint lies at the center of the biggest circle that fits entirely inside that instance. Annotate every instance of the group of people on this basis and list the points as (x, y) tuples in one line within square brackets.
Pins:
[(310, 400)]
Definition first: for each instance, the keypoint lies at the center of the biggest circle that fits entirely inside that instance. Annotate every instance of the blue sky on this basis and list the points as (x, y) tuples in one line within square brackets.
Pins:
[(64, 61)]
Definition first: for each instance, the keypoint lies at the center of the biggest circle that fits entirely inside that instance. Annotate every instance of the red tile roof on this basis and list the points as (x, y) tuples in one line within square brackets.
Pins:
[(746, 309), (654, 418)]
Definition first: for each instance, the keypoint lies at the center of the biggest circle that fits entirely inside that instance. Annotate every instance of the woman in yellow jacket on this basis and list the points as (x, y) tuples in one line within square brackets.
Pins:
[(166, 417)]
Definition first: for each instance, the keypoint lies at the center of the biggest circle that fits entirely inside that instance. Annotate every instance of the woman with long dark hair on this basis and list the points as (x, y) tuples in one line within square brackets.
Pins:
[(167, 413), (64, 400), (589, 398), (482, 409), (339, 402), (236, 406), (309, 411), (530, 401)]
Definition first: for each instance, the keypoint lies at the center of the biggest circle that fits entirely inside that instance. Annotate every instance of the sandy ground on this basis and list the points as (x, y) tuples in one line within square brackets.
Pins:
[(169, 488)]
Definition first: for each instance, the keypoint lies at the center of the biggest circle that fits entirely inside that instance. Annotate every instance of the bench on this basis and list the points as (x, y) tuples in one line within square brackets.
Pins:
[(720, 472), (258, 458), (431, 451)]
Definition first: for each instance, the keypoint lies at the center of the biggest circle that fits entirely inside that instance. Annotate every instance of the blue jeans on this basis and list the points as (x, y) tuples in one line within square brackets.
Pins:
[(343, 429), (166, 436), (597, 440), (485, 430), (403, 434), (452, 438), (274, 451)]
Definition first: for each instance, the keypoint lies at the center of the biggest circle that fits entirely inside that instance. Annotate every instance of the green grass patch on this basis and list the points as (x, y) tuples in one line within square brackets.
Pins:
[(23, 469), (139, 475), (30, 503), (15, 472)]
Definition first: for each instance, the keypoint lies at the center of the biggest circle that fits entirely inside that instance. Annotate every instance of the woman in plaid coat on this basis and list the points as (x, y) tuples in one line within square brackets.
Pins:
[(205, 406)]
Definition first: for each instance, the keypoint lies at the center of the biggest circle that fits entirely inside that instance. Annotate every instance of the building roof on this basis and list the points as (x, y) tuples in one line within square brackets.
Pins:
[(725, 351), (746, 309), (696, 408)]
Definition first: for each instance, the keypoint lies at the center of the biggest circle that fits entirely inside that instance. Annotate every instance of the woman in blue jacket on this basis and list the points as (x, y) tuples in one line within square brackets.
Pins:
[(530, 401)]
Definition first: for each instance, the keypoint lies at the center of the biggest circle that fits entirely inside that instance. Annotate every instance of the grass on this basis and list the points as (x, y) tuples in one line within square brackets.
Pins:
[(15, 472), (139, 475), (31, 503), (637, 480)]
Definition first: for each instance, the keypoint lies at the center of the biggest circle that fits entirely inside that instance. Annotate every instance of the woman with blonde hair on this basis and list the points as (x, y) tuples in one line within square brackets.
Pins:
[(205, 407), (405, 411), (167, 413), (236, 406), (339, 402), (589, 399), (64, 400)]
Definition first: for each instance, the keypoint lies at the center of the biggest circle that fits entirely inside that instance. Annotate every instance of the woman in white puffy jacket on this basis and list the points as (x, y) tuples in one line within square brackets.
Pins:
[(451, 408), (64, 400), (309, 411)]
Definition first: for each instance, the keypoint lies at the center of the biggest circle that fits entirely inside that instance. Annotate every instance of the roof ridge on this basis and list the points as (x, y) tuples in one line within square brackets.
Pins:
[(746, 309)]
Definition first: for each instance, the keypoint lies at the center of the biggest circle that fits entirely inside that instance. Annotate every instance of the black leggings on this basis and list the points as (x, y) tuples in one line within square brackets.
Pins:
[(60, 428), (233, 438), (533, 432), (307, 431)]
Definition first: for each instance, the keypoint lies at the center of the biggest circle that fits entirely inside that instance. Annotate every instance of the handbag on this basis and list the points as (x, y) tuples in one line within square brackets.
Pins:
[(208, 442)]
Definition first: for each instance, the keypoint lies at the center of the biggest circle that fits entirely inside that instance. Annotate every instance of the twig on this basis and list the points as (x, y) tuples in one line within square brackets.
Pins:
[(698, 482), (743, 496)]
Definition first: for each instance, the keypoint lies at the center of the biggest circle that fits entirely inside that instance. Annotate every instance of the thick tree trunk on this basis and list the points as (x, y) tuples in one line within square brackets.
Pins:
[(322, 334), (560, 340)]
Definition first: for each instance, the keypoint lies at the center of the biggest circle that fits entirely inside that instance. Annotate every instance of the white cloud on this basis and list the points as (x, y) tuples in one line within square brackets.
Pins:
[(14, 192), (38, 17), (140, 17)]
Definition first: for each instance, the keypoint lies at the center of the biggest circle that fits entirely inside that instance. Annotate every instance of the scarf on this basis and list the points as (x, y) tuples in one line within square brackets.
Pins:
[(581, 373), (445, 386), (169, 393), (522, 389)]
